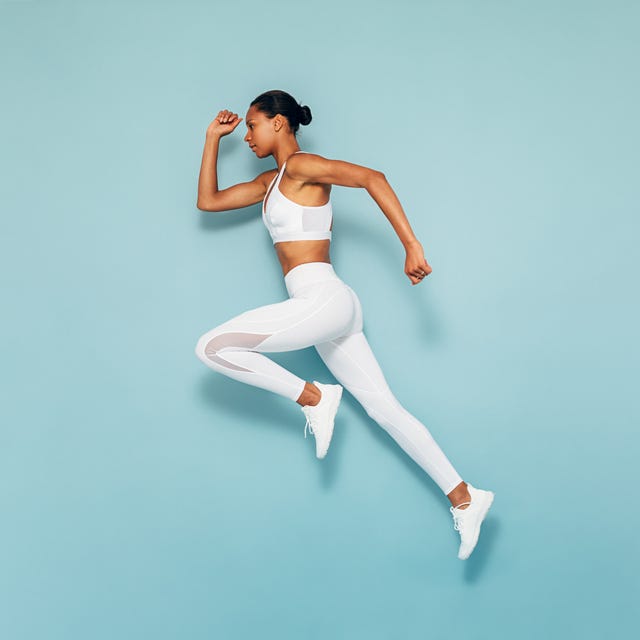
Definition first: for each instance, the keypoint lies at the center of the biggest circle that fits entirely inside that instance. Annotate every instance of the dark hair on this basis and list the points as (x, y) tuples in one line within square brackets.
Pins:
[(276, 101)]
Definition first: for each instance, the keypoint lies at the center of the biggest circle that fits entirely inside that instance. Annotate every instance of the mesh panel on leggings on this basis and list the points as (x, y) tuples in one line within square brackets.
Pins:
[(235, 340)]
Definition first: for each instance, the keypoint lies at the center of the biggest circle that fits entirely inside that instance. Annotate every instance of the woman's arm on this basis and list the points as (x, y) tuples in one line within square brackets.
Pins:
[(210, 198), (208, 178), (315, 168)]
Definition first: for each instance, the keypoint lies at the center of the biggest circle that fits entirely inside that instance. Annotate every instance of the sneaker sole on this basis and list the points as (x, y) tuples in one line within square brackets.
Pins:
[(335, 402), (484, 508)]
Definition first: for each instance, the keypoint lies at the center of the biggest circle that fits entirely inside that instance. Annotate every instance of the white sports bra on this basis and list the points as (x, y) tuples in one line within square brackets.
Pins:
[(288, 220)]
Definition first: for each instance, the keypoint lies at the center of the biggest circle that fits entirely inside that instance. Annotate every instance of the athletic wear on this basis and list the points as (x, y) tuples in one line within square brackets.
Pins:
[(320, 417), (324, 312), (467, 521), (287, 220)]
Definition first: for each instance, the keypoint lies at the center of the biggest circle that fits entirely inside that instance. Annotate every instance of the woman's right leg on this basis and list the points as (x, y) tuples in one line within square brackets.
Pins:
[(354, 365), (321, 312)]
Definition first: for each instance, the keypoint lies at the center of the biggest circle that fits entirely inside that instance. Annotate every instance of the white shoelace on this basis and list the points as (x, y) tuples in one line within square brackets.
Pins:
[(308, 425), (458, 517)]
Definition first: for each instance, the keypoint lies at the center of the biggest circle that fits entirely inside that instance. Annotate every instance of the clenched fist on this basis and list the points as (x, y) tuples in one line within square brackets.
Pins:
[(416, 266), (225, 122)]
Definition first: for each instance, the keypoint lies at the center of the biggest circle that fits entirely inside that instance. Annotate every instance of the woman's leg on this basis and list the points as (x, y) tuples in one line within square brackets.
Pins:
[(323, 311), (354, 365)]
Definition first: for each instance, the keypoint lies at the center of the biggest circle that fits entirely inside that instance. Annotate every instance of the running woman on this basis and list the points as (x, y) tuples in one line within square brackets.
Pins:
[(322, 310)]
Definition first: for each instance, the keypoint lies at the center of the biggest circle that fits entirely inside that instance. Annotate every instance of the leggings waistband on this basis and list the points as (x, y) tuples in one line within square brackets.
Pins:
[(308, 273)]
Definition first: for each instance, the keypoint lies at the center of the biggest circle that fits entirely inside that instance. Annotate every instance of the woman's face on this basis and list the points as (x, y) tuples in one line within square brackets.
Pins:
[(260, 132)]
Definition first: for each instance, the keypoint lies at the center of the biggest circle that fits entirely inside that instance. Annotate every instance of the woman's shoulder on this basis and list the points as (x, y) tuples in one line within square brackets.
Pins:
[(301, 165), (303, 157)]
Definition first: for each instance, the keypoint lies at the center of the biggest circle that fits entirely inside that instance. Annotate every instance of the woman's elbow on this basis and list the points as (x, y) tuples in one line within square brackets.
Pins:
[(374, 177), (205, 205)]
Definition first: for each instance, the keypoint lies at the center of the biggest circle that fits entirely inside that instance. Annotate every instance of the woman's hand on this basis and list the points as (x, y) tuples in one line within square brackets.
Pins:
[(416, 265), (224, 123)]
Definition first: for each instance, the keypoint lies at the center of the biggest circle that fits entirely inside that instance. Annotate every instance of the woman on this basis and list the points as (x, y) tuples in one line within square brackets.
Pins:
[(322, 311)]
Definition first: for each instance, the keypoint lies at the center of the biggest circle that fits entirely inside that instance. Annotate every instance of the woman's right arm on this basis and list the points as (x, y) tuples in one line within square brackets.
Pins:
[(210, 198)]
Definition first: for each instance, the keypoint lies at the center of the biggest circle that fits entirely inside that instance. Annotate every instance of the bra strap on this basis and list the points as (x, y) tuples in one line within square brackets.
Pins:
[(284, 165), (280, 174)]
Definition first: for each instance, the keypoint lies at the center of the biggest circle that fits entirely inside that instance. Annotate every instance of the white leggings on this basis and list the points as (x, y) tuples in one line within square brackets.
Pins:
[(324, 312)]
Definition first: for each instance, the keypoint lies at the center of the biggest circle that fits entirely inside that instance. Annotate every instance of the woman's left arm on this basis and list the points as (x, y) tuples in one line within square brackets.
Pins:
[(310, 167)]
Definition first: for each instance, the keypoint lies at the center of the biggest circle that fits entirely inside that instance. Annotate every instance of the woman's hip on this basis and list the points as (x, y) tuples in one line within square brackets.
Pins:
[(309, 273), (318, 280), (319, 308)]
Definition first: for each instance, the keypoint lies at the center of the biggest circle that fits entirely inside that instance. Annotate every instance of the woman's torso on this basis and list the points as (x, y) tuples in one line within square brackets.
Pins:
[(291, 253)]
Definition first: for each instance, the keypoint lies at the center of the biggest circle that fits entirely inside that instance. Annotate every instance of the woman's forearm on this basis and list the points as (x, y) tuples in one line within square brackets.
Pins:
[(380, 190), (208, 180)]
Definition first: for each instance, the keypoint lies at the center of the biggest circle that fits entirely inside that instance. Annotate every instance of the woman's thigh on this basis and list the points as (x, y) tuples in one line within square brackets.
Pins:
[(353, 363), (322, 312)]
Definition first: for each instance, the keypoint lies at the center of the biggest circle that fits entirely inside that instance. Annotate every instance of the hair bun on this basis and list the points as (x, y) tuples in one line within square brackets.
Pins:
[(305, 114)]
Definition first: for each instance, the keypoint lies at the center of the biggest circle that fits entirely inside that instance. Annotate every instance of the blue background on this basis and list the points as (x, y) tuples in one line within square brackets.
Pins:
[(144, 495)]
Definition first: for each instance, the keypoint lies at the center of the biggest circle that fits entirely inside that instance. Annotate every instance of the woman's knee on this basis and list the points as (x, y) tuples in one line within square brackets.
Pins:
[(221, 338), (201, 346), (208, 348), (381, 406)]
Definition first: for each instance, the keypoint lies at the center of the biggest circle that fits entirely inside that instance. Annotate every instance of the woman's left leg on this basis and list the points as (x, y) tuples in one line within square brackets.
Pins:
[(352, 362)]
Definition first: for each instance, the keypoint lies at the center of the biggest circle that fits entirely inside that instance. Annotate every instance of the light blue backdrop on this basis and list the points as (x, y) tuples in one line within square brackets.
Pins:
[(145, 496)]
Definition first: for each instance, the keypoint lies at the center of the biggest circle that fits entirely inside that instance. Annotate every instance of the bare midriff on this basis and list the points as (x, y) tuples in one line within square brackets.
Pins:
[(295, 252)]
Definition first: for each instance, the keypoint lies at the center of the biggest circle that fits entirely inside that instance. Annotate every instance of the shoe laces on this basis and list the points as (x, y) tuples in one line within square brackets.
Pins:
[(308, 412), (458, 515), (309, 426)]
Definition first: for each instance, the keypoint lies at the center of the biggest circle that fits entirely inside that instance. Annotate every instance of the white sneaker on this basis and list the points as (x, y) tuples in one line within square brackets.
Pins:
[(320, 417), (467, 521)]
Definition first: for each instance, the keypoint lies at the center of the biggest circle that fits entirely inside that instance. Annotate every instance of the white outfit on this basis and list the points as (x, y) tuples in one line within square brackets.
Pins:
[(324, 312), (287, 220)]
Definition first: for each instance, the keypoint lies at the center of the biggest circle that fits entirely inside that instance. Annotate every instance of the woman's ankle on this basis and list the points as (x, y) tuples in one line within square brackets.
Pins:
[(460, 497), (310, 395)]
